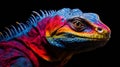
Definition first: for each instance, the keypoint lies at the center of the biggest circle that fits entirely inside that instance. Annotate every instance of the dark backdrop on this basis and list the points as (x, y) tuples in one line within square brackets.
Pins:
[(20, 10)]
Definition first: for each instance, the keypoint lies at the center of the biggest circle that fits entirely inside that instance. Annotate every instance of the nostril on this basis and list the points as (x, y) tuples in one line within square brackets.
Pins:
[(99, 30)]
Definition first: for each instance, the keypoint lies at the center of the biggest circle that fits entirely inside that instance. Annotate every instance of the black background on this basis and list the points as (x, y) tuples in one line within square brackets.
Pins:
[(20, 10)]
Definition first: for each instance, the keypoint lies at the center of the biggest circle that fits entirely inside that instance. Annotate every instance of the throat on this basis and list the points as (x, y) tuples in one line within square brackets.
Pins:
[(52, 54)]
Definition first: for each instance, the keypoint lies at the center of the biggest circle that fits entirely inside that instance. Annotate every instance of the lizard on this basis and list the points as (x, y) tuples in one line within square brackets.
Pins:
[(50, 38)]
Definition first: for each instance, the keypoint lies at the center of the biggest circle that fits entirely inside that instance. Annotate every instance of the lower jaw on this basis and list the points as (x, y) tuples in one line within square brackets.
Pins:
[(65, 43), (85, 46)]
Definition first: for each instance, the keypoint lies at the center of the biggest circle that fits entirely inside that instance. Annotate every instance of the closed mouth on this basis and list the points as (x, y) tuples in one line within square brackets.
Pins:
[(71, 36)]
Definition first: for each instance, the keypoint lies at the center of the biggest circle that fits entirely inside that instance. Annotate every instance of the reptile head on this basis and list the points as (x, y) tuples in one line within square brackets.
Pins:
[(74, 30)]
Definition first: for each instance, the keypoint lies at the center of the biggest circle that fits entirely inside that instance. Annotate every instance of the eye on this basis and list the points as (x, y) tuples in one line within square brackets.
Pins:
[(77, 24)]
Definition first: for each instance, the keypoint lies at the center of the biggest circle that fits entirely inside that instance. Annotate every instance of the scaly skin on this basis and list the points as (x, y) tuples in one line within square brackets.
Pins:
[(52, 39)]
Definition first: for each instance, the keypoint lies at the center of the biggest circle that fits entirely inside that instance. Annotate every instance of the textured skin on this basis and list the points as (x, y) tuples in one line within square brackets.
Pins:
[(50, 38)]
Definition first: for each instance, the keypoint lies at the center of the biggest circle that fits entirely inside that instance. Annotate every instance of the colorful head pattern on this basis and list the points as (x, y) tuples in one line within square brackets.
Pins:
[(73, 29)]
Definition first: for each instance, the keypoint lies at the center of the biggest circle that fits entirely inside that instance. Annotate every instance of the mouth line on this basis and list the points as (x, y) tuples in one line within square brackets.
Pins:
[(69, 35)]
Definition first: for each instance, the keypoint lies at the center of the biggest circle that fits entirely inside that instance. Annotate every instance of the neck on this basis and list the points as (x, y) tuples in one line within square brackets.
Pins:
[(43, 49)]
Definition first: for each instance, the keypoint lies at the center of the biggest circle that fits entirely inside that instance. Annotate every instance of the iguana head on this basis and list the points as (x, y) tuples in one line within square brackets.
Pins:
[(74, 30)]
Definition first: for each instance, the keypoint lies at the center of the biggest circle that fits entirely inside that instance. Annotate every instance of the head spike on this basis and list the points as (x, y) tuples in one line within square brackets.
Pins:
[(6, 35), (10, 34), (43, 14), (46, 13), (14, 29), (33, 17), (29, 20), (24, 26), (1, 35), (49, 12), (52, 13), (28, 23), (20, 25), (17, 22), (32, 21), (38, 15)]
